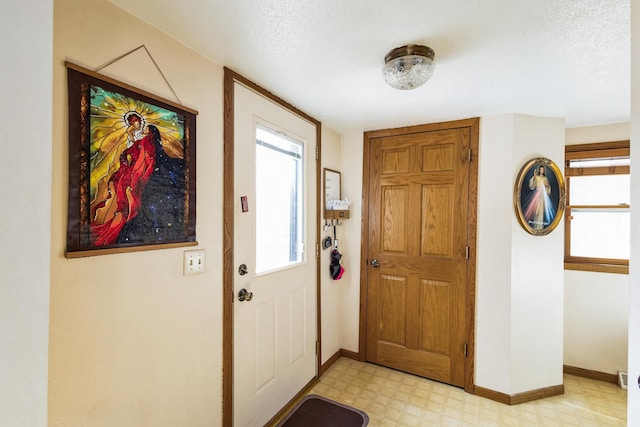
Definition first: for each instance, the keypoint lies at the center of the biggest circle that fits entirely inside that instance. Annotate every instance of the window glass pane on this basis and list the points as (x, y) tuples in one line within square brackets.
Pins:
[(279, 201), (600, 233), (599, 190), (592, 163)]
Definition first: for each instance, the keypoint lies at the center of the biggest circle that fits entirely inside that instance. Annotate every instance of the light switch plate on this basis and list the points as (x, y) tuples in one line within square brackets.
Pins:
[(194, 262)]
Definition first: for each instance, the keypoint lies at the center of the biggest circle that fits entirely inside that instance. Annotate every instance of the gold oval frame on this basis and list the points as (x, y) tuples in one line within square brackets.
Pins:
[(556, 182)]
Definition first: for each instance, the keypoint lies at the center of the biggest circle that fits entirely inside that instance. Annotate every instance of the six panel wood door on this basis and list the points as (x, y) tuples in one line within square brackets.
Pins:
[(418, 210)]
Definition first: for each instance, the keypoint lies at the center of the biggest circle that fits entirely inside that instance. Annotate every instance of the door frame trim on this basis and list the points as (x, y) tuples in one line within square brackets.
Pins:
[(474, 127), (231, 77)]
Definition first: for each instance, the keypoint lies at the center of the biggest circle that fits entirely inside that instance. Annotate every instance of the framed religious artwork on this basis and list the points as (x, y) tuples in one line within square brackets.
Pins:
[(132, 158), (539, 196)]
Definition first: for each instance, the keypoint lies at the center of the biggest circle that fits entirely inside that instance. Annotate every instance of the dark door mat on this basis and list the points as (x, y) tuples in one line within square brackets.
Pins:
[(318, 411)]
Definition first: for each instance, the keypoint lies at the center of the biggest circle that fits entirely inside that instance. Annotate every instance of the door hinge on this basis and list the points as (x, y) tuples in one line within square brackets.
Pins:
[(317, 153), (469, 156), (465, 350), (466, 254), (317, 250)]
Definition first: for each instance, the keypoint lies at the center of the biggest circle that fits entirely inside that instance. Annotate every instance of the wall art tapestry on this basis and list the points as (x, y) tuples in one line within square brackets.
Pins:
[(131, 168), (539, 196)]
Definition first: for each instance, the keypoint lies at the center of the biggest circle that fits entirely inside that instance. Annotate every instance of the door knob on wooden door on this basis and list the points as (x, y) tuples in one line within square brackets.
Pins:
[(375, 263)]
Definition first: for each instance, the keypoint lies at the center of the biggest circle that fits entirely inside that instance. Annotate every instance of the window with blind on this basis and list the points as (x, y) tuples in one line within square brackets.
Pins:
[(597, 207)]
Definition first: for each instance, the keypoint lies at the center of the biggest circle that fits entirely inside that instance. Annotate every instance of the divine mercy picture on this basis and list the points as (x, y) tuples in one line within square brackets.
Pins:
[(539, 196), (131, 167)]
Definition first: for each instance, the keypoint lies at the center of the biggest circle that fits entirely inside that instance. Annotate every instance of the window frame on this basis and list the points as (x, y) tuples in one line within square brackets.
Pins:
[(592, 151), (297, 227)]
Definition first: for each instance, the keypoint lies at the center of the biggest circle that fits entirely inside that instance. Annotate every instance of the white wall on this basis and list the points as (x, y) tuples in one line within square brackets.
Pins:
[(633, 404), (595, 321), (596, 312), (520, 276), (493, 277), (537, 271), (26, 29)]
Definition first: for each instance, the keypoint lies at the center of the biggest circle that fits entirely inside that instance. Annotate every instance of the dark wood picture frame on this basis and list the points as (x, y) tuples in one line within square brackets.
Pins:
[(132, 168), (539, 196)]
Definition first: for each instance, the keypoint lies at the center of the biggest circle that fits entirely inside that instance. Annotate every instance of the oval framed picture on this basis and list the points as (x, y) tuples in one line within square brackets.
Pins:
[(539, 196)]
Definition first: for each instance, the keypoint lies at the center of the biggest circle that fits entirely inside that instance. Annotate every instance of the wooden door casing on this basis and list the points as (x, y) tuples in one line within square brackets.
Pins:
[(419, 224)]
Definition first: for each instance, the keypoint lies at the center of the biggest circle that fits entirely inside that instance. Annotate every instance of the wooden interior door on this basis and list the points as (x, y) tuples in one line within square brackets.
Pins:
[(417, 251)]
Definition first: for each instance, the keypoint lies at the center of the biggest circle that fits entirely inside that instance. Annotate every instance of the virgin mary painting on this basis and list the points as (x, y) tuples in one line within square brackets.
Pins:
[(135, 182), (131, 162)]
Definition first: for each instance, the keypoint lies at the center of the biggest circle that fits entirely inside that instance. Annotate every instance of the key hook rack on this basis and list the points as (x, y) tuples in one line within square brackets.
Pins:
[(335, 209)]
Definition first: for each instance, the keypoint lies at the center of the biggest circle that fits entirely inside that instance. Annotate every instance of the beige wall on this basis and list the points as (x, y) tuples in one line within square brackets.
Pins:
[(601, 133), (331, 317), (351, 164), (132, 340)]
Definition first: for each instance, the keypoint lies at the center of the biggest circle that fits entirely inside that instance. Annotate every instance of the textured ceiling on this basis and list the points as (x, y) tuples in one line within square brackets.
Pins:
[(561, 58)]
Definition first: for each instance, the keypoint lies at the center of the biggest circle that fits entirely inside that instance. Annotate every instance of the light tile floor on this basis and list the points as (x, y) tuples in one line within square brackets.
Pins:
[(393, 398)]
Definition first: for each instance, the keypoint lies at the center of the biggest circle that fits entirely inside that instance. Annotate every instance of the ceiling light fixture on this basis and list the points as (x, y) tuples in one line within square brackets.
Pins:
[(408, 67)]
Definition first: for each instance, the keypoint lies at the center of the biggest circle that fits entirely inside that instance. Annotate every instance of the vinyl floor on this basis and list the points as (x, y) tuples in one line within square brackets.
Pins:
[(392, 398)]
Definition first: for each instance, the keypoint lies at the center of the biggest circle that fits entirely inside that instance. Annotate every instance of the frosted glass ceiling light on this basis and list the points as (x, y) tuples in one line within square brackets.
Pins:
[(408, 67)]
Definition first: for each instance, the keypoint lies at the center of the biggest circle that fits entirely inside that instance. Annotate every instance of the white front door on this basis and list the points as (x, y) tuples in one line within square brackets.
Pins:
[(274, 253)]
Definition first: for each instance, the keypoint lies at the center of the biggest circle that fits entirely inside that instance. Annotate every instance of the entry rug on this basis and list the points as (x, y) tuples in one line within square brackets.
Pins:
[(318, 411)]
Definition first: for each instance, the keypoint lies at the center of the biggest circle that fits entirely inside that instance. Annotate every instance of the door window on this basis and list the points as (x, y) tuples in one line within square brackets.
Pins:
[(279, 200)]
